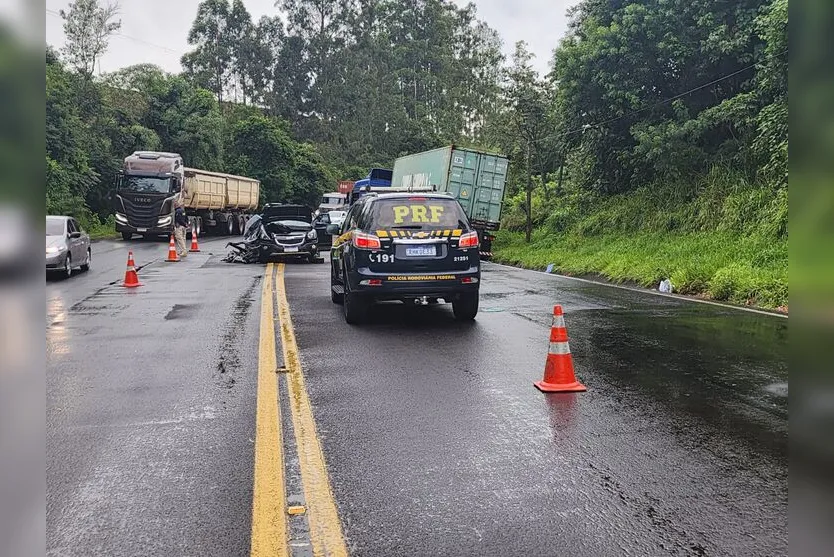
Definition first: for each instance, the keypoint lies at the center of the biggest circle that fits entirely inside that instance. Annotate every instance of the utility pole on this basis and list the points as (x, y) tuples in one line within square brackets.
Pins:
[(561, 168), (529, 230)]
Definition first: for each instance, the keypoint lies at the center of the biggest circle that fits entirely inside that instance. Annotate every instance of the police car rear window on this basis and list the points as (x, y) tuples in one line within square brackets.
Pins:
[(417, 213)]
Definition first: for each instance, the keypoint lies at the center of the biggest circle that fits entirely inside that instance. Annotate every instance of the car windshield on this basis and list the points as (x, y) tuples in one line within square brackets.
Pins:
[(332, 200), (418, 213), (145, 184), (54, 227)]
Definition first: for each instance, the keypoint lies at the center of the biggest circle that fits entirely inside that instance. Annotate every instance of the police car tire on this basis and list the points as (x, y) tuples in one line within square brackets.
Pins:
[(354, 307), (466, 307)]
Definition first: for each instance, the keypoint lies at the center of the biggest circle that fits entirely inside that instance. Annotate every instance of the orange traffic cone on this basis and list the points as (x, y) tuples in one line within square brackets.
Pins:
[(194, 246), (558, 370), (131, 278), (172, 251)]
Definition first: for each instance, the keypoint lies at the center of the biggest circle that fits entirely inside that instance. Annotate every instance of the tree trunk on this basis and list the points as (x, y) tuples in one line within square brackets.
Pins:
[(529, 230)]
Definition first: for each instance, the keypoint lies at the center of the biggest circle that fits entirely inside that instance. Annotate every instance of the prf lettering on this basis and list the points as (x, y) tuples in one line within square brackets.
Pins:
[(419, 213)]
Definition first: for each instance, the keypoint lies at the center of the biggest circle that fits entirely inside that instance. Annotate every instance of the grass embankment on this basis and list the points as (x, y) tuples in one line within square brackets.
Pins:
[(725, 243), (100, 230)]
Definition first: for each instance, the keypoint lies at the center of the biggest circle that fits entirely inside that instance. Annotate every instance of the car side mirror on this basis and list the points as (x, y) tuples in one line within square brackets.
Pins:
[(333, 229), (75, 235)]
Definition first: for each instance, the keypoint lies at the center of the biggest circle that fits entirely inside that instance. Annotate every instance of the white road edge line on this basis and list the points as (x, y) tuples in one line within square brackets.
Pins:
[(646, 291)]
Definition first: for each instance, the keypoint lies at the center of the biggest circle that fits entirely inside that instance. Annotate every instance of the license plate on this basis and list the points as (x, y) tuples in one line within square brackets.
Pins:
[(293, 249), (420, 251), (141, 230)]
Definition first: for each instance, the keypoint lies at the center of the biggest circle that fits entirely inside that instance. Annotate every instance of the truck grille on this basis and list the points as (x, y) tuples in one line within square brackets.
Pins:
[(142, 215)]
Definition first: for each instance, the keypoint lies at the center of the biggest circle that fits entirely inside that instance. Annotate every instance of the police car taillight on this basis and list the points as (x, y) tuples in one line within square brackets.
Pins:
[(468, 240), (365, 241)]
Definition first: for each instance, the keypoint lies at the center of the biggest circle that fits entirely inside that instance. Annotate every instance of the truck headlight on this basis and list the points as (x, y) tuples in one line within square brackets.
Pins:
[(163, 221), (120, 218), (311, 235)]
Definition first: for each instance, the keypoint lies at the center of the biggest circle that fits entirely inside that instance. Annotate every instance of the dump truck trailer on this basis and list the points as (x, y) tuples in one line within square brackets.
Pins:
[(477, 179), (152, 183)]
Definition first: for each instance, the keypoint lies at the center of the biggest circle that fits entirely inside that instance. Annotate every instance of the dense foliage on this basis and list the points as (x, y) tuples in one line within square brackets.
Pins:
[(674, 108), (92, 125)]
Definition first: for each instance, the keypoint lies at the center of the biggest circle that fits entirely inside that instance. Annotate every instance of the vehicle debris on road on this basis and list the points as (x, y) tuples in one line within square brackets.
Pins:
[(281, 231)]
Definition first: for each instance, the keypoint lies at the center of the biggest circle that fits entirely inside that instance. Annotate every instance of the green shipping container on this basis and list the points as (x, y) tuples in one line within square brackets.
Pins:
[(475, 178)]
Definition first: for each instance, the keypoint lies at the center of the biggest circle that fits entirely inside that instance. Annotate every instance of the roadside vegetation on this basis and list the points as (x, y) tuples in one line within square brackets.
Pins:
[(655, 147), (728, 242), (664, 155)]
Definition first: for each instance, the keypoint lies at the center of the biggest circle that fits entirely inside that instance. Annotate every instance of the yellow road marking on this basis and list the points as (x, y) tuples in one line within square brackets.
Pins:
[(269, 525), (325, 529)]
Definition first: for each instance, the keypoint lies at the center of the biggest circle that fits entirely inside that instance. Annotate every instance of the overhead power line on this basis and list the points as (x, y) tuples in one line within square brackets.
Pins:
[(134, 39)]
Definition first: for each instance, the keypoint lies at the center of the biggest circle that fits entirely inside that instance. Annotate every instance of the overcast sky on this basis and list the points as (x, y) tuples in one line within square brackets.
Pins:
[(154, 31)]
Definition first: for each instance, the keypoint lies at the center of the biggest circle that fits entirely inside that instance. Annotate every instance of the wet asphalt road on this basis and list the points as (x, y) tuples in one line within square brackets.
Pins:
[(435, 439), (437, 442), (150, 405)]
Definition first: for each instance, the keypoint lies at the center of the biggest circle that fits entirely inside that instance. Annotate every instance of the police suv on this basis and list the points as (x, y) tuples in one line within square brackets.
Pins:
[(413, 246)]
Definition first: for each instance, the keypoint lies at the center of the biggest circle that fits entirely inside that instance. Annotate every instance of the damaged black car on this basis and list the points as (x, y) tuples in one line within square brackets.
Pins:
[(280, 232)]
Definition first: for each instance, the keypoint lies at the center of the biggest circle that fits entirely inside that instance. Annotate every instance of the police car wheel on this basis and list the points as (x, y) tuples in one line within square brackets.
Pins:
[(465, 308), (355, 308)]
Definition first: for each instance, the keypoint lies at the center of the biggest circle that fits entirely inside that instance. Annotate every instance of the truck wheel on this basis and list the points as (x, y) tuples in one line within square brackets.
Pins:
[(242, 224), (230, 226), (355, 307), (465, 307), (199, 227), (126, 236)]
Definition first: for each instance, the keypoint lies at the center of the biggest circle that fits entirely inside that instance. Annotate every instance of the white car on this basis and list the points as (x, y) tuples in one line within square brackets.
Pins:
[(337, 217)]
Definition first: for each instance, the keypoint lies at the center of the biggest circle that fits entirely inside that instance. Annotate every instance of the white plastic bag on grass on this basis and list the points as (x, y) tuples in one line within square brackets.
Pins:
[(665, 286)]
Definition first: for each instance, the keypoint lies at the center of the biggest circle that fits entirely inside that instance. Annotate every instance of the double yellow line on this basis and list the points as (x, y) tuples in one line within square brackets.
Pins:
[(269, 506)]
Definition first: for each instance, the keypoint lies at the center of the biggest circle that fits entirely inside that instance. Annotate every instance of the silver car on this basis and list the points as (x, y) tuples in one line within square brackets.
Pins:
[(67, 246)]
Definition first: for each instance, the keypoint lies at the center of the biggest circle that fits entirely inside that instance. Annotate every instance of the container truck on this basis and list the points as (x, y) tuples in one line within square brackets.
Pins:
[(477, 179), (151, 183)]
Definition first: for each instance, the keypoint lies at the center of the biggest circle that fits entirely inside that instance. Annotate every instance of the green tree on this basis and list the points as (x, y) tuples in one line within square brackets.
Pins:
[(622, 65), (526, 118), (69, 175), (210, 63), (261, 147), (771, 142), (88, 27)]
